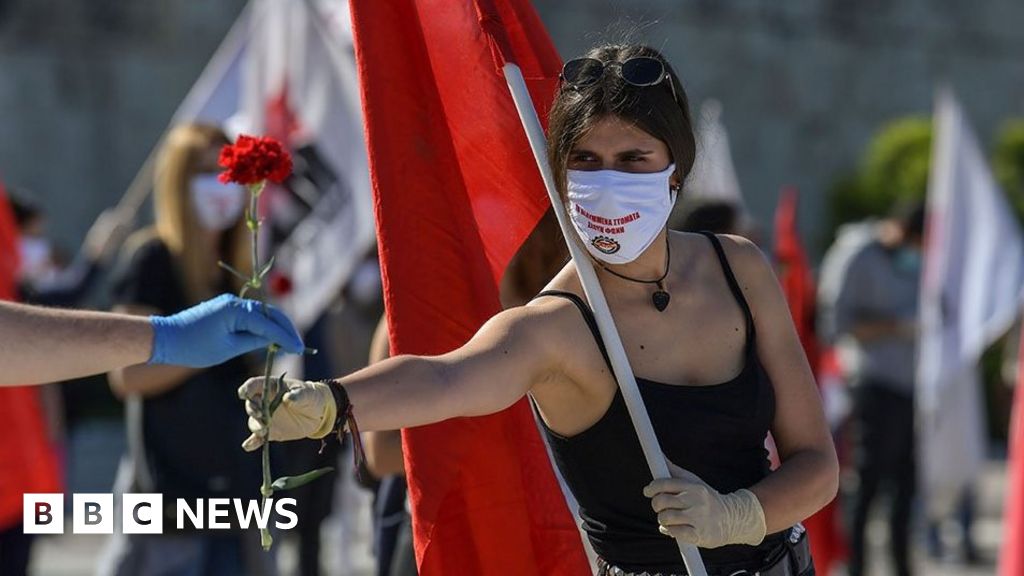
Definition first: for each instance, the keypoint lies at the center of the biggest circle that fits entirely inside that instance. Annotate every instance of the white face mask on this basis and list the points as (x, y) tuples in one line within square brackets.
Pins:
[(218, 205), (619, 214), (36, 263)]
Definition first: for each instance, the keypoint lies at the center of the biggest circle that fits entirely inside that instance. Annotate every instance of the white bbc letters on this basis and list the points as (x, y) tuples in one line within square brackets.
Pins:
[(92, 514), (185, 510), (218, 508), (142, 514), (260, 511), (293, 518), (43, 513)]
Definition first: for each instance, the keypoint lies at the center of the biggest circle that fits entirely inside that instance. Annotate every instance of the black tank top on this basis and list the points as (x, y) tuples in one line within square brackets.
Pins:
[(717, 432)]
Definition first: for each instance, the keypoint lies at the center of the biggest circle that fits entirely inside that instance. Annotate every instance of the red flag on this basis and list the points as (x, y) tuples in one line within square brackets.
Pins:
[(9, 255), (29, 463), (457, 192), (1011, 559), (798, 285), (794, 273)]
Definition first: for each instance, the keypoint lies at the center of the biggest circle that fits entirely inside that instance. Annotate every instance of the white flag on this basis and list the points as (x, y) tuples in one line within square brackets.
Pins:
[(713, 175), (970, 295), (286, 70)]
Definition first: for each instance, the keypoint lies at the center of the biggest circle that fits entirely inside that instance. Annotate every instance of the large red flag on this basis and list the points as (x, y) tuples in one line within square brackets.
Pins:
[(456, 192), (28, 462), (798, 285), (1011, 559)]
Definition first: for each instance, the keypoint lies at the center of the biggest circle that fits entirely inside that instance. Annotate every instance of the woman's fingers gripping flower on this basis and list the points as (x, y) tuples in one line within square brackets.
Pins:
[(691, 511), (307, 410)]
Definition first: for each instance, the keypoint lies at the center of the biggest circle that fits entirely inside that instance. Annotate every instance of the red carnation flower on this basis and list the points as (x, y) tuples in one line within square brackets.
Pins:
[(251, 160), (280, 285)]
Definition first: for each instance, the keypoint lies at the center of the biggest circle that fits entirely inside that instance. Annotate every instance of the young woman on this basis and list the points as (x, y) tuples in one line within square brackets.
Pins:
[(705, 327), (189, 442)]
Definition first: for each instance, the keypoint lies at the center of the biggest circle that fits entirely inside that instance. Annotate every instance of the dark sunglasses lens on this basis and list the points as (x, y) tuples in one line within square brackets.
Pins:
[(582, 71), (643, 71)]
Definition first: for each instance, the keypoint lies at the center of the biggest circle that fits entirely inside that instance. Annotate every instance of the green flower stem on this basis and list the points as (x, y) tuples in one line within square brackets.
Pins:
[(270, 387), (253, 221), (255, 283), (265, 490)]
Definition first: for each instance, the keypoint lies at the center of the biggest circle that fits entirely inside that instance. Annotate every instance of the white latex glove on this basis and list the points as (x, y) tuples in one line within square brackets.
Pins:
[(691, 511), (306, 411)]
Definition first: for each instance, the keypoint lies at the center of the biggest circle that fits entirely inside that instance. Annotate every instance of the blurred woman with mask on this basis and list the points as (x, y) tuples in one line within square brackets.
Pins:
[(185, 443)]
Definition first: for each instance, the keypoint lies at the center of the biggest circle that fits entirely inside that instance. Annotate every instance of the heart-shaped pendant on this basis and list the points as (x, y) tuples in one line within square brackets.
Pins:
[(660, 299)]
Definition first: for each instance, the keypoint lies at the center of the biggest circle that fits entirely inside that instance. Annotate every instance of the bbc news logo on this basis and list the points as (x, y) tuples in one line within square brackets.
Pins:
[(143, 513)]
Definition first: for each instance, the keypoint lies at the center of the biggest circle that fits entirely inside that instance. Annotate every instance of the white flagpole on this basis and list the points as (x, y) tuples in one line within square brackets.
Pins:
[(606, 325)]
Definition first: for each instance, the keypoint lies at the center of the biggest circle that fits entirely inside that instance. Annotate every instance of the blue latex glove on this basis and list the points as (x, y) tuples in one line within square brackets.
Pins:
[(217, 330)]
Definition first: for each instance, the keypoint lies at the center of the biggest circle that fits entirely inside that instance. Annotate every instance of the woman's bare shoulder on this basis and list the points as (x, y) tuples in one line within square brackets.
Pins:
[(753, 271), (545, 317), (742, 252)]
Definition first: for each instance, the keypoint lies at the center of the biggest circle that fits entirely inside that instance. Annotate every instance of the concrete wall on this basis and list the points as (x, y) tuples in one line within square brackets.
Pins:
[(804, 84), (87, 86)]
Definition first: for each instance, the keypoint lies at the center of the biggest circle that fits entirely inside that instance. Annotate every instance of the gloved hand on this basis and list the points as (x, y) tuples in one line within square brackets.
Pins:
[(691, 511), (217, 330), (307, 410)]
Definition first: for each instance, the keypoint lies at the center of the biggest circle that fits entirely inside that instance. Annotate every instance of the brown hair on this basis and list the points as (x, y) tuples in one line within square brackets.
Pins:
[(539, 258), (182, 156), (651, 108)]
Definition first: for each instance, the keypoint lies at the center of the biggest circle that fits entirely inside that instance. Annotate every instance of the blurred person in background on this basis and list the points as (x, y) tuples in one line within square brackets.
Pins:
[(385, 462), (868, 308), (39, 345), (314, 501), (185, 443), (707, 215), (45, 277), (82, 414), (343, 335)]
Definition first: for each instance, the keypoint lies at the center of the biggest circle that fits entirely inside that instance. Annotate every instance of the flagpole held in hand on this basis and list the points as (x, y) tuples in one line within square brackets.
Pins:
[(588, 278)]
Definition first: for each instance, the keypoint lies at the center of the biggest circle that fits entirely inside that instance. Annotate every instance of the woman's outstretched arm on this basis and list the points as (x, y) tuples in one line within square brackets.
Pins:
[(489, 373)]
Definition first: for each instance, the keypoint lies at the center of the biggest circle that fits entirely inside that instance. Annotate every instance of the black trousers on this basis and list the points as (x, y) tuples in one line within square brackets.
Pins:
[(15, 548), (393, 527), (884, 456)]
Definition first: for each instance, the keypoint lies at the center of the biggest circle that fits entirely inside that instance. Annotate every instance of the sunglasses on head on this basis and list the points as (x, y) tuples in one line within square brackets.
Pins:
[(639, 71)]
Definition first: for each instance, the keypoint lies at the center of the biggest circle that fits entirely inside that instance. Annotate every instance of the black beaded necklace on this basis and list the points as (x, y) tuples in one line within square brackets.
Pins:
[(660, 298)]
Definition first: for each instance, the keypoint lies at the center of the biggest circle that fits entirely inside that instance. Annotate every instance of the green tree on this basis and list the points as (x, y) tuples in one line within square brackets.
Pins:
[(896, 163), (1008, 163), (894, 167)]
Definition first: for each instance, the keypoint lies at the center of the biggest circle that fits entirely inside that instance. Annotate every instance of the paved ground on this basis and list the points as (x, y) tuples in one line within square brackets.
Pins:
[(987, 533), (76, 555)]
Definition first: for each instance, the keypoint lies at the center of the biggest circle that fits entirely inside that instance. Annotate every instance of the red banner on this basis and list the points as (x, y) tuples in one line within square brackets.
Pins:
[(1011, 559), (27, 459), (456, 193), (827, 546)]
